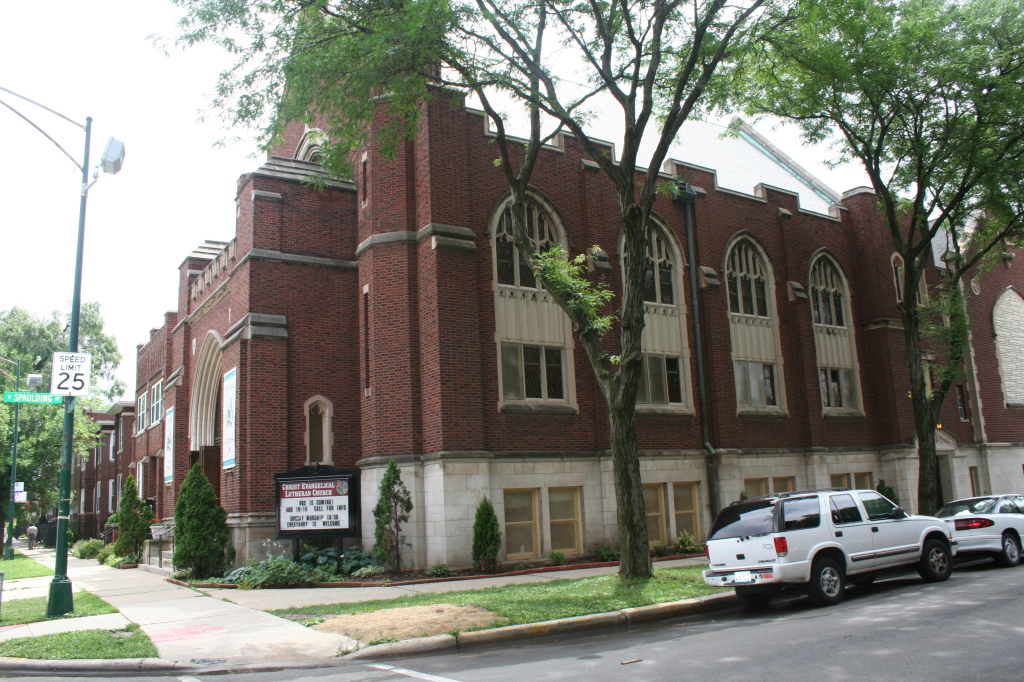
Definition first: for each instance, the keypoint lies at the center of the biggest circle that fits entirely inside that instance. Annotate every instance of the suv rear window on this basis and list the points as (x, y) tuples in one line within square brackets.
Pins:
[(756, 517), (801, 513)]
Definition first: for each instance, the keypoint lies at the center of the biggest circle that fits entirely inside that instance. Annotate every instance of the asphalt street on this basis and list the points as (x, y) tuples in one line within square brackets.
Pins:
[(969, 628)]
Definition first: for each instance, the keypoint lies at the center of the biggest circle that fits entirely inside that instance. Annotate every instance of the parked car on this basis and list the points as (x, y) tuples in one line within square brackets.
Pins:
[(821, 539), (991, 525)]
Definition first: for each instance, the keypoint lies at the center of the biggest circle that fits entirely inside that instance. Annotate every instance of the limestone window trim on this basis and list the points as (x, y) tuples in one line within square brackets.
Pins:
[(759, 379), (665, 382), (898, 282), (319, 413), (533, 336), (834, 338), (1008, 329), (308, 148)]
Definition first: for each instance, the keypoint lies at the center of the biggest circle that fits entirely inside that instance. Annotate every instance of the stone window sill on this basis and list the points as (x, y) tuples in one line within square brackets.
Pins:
[(541, 407), (842, 414), (761, 412), (664, 409)]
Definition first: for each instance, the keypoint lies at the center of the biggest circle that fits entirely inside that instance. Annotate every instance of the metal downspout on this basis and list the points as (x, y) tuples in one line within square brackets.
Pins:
[(712, 460)]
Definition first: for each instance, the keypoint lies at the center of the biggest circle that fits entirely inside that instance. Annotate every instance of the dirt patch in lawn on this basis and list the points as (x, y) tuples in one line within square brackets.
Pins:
[(408, 622)]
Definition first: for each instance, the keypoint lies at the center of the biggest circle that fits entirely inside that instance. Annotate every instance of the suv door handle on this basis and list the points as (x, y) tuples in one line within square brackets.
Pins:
[(874, 529), (839, 533)]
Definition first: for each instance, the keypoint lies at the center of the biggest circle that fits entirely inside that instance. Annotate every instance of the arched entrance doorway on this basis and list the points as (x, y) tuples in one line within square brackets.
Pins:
[(206, 411)]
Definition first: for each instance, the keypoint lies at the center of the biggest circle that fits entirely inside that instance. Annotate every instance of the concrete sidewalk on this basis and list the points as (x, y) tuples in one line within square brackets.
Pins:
[(187, 624)]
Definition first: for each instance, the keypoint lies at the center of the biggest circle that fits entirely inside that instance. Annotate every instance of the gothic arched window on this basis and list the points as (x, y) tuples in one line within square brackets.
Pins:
[(319, 411), (753, 328), (833, 337), (534, 333)]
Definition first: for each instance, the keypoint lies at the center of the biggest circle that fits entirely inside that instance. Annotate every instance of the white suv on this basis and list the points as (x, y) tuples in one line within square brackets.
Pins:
[(821, 539)]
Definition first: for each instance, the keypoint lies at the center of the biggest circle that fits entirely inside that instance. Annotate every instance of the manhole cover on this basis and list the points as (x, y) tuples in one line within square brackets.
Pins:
[(208, 661)]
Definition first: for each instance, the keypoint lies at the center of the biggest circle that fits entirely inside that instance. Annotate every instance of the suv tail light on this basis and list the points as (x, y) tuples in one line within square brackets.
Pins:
[(972, 524), (781, 546)]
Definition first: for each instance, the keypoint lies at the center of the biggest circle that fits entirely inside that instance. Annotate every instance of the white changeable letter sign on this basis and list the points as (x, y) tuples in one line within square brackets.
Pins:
[(314, 505), (70, 374), (169, 445), (228, 432)]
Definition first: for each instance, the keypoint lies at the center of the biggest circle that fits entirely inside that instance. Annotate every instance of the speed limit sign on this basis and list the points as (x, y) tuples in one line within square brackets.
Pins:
[(71, 374)]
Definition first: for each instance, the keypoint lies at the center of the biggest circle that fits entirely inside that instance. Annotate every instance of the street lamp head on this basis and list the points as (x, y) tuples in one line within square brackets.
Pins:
[(113, 156)]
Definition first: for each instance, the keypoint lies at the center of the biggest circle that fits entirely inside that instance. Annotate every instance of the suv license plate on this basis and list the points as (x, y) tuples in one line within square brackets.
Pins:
[(743, 577)]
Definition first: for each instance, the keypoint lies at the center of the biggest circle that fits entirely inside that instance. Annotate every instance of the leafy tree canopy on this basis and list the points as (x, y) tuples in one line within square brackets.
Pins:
[(927, 95), (33, 340)]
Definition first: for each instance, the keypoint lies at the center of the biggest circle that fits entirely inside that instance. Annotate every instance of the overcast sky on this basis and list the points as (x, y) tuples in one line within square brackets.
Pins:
[(175, 190)]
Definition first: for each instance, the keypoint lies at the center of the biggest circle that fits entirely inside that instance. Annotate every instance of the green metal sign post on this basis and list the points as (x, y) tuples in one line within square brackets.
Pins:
[(9, 547)]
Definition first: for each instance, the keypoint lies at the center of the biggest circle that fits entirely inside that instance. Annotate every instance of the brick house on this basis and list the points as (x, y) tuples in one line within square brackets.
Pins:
[(388, 317)]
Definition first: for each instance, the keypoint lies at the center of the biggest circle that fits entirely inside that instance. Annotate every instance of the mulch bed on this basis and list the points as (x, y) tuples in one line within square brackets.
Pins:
[(467, 574)]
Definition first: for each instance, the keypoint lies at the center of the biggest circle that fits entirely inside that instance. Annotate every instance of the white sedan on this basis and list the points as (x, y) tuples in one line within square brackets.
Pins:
[(993, 525)]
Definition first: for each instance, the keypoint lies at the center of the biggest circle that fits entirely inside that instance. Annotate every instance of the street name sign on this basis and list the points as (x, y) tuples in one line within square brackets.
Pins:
[(32, 398), (71, 374)]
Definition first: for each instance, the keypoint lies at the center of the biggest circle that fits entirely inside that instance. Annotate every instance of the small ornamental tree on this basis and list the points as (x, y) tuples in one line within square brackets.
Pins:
[(133, 517), (391, 512), (201, 529), (486, 537)]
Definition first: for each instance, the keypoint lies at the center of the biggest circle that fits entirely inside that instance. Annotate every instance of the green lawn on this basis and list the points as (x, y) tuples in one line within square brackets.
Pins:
[(33, 609), (127, 643), (22, 567), (533, 602)]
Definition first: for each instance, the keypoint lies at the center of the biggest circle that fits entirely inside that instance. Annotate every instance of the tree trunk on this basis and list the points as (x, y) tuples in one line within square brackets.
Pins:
[(635, 555), (924, 416)]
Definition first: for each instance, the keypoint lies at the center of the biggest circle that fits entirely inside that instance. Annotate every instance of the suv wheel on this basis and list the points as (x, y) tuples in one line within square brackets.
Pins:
[(752, 597), (1010, 556), (936, 563), (827, 583)]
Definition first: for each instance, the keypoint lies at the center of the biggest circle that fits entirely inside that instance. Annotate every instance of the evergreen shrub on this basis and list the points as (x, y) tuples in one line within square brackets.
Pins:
[(486, 537), (201, 529), (133, 517), (391, 511)]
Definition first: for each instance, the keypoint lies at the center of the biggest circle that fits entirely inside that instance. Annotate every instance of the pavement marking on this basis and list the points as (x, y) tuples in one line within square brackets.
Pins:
[(413, 673), (190, 679)]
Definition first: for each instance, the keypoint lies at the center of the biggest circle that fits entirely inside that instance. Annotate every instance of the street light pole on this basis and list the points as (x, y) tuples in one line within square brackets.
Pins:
[(9, 547), (61, 600)]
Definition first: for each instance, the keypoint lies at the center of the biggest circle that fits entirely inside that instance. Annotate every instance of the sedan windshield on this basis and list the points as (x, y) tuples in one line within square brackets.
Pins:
[(977, 505), (756, 517)]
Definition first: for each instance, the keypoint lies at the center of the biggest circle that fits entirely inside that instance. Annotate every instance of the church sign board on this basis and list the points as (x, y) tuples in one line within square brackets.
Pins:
[(318, 501)]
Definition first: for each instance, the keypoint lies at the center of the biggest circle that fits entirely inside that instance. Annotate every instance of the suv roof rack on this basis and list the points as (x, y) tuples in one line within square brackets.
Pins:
[(792, 493)]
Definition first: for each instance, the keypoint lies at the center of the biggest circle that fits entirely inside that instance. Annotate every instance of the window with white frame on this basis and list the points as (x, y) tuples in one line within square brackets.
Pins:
[(97, 497), (110, 436), (753, 328), (156, 402), (120, 432), (899, 282), (81, 501), (319, 438), (140, 469), (110, 496), (664, 381), (141, 411), (833, 338), (534, 334), (120, 488)]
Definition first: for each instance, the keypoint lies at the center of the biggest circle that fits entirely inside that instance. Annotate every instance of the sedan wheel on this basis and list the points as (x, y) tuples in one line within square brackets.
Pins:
[(1010, 556)]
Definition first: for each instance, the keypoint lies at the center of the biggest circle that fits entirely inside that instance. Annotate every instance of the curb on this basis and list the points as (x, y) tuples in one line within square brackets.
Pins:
[(630, 616), (95, 665)]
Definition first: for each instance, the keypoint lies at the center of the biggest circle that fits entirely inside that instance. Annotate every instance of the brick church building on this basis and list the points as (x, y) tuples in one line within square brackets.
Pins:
[(389, 318)]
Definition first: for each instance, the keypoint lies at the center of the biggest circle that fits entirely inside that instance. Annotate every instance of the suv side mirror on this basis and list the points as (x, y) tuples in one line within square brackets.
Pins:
[(898, 513)]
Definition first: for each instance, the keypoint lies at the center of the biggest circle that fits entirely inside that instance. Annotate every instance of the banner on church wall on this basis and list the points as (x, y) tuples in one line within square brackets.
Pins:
[(169, 446), (318, 501), (230, 394)]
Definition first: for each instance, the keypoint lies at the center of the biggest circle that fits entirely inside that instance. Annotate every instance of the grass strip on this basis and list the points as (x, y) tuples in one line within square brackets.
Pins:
[(22, 567), (130, 642), (533, 602), (33, 609)]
